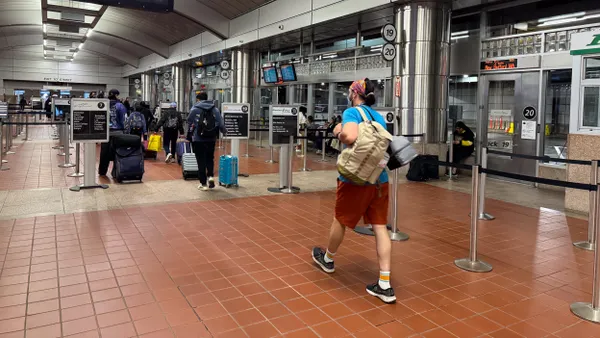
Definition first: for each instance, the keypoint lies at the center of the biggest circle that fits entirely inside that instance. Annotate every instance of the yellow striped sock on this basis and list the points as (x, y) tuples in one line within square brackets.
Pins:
[(384, 279)]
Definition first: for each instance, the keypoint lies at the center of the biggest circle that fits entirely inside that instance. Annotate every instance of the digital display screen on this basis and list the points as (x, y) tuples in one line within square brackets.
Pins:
[(499, 64), (60, 111), (288, 73), (44, 93), (65, 92), (86, 95), (270, 74), (19, 92), (147, 5)]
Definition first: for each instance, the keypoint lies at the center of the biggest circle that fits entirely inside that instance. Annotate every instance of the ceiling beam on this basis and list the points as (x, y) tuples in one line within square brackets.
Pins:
[(55, 8), (68, 22), (115, 54), (162, 52), (203, 15)]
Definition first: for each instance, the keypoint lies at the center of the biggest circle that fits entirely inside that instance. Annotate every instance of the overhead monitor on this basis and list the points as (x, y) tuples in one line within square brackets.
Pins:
[(146, 5), (44, 93), (65, 92), (288, 73), (270, 74), (19, 92)]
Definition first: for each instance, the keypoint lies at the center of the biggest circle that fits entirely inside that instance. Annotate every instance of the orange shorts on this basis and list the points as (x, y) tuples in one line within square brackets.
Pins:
[(354, 202)]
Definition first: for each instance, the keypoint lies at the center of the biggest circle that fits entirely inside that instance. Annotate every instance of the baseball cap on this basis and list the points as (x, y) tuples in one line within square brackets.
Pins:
[(113, 92)]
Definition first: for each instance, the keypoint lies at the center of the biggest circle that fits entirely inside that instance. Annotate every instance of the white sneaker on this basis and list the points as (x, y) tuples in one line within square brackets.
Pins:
[(203, 187), (169, 157)]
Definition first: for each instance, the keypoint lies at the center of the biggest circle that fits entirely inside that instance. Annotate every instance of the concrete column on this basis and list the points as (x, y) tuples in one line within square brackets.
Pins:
[(291, 94), (240, 89), (146, 87), (310, 100), (331, 103), (423, 67)]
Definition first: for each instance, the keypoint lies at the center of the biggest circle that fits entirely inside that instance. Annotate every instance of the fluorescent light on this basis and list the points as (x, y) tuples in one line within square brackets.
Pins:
[(558, 22), (80, 45), (329, 57), (88, 33), (45, 42), (460, 33), (44, 28), (44, 52), (465, 76), (459, 37), (376, 46), (329, 54), (74, 54), (561, 17)]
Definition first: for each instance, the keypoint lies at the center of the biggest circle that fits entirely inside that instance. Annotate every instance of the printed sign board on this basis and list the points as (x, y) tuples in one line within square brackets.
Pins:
[(389, 116), (528, 130), (236, 117), (61, 108), (90, 120), (283, 123)]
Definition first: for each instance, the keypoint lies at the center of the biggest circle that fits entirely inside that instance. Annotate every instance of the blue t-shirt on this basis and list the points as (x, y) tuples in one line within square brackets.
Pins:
[(353, 115)]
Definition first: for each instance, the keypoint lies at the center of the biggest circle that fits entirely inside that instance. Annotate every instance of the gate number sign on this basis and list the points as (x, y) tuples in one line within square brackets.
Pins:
[(529, 113), (388, 52)]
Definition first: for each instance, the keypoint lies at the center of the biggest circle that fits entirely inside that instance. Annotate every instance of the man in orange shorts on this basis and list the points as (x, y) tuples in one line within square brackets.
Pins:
[(354, 202)]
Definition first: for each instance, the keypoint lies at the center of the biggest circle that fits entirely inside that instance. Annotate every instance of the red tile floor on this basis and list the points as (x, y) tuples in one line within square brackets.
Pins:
[(35, 164), (241, 268)]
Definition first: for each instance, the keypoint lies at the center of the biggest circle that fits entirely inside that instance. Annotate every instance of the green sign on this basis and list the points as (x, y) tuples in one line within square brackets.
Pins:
[(595, 43)]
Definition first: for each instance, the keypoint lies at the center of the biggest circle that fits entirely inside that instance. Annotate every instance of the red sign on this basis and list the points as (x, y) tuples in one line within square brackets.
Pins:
[(499, 64), (398, 86)]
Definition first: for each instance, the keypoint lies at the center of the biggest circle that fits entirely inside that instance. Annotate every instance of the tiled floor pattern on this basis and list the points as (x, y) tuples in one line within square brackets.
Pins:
[(35, 164), (55, 201), (241, 268)]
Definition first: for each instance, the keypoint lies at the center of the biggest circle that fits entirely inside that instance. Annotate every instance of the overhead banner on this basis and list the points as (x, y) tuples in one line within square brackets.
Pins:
[(283, 123), (236, 117), (90, 120)]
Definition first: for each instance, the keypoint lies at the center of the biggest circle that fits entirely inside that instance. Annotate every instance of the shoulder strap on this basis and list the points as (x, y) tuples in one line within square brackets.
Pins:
[(363, 115)]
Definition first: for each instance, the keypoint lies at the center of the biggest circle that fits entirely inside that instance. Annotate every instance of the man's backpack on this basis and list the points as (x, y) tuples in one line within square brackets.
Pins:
[(136, 123), (171, 122), (206, 124), (364, 161)]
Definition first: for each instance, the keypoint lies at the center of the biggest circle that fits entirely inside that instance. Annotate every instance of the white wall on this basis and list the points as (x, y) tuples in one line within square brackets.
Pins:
[(259, 24), (28, 64)]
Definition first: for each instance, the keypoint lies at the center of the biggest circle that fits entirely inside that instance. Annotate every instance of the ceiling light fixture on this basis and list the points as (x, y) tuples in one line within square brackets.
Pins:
[(80, 45), (558, 22), (45, 42), (88, 33), (562, 17), (44, 28)]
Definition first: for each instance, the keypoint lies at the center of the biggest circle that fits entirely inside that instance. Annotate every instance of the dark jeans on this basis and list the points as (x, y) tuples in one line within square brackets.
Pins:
[(205, 156), (106, 154), (170, 141), (460, 153)]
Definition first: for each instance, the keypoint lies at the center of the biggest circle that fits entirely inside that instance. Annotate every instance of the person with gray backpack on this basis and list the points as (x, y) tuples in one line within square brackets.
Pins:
[(136, 122), (172, 124)]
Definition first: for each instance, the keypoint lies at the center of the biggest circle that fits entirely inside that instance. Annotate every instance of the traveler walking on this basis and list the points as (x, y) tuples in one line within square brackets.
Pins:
[(117, 125), (172, 124), (136, 122), (205, 122), (353, 201), (22, 103), (145, 110)]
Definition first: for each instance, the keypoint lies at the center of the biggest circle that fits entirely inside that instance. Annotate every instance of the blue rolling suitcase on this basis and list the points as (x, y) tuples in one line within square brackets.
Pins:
[(228, 171), (128, 164)]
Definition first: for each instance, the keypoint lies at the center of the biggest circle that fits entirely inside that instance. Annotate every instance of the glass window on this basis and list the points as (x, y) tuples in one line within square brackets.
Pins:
[(592, 67), (321, 103), (463, 94), (591, 107), (557, 113)]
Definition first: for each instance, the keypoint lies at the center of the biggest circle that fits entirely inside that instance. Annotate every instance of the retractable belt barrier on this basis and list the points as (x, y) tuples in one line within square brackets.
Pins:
[(539, 158)]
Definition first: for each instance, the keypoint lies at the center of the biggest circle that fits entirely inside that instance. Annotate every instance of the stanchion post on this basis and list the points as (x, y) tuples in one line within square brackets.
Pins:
[(271, 160), (289, 189), (590, 243), (9, 137), (2, 161), (26, 128), (304, 151), (64, 149), (260, 139), (67, 163), (482, 214), (323, 150), (472, 264), (423, 144), (396, 235), (77, 172), (247, 154), (451, 158), (591, 311)]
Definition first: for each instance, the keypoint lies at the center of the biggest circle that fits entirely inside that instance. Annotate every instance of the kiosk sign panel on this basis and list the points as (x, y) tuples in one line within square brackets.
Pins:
[(236, 117), (61, 107), (390, 119), (283, 123), (90, 120)]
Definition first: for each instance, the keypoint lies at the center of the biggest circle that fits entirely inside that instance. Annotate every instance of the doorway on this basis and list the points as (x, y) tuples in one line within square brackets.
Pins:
[(509, 122)]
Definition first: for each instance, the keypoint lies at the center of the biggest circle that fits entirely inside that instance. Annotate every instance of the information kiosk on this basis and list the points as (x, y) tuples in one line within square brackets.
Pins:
[(283, 127), (236, 117), (89, 125)]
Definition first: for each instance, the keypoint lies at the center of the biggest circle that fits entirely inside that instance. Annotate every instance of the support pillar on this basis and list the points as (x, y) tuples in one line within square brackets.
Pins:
[(423, 68), (331, 103), (241, 62)]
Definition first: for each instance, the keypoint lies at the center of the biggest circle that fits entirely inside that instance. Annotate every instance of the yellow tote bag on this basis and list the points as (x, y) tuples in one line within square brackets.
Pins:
[(154, 142)]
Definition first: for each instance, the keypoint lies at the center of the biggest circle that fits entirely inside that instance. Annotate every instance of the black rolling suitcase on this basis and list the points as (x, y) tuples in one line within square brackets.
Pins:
[(422, 169), (129, 158)]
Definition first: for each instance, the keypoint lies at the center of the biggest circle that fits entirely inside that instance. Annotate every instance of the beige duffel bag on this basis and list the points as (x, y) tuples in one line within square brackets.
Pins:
[(365, 160)]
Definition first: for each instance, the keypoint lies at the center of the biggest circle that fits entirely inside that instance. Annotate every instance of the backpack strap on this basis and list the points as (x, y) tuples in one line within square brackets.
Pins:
[(363, 115)]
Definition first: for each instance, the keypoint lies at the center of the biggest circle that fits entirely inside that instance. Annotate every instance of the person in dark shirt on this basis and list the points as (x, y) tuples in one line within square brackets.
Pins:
[(463, 144)]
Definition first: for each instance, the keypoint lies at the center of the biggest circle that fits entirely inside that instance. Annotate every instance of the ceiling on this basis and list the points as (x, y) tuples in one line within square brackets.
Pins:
[(63, 28), (233, 8)]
